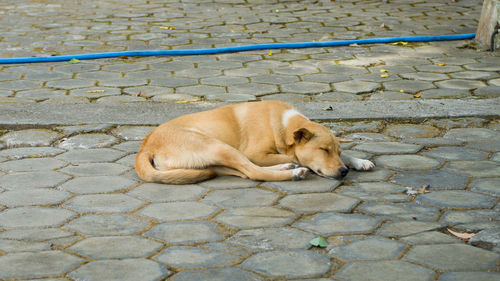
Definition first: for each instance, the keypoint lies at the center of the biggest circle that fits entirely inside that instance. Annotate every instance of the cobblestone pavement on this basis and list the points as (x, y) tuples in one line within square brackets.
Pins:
[(444, 70), (72, 207)]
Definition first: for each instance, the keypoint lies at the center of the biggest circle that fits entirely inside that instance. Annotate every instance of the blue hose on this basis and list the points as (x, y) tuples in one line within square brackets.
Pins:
[(237, 48)]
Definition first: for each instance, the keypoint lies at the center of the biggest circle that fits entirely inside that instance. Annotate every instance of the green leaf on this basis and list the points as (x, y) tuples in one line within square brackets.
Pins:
[(73, 60), (319, 242)]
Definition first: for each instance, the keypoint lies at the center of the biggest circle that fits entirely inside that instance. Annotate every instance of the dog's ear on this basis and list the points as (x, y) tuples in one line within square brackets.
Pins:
[(299, 135)]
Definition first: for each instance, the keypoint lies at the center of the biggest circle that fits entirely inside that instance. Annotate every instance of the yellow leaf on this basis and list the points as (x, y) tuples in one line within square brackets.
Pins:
[(187, 100), (400, 43), (401, 91), (73, 60), (95, 91), (384, 70), (463, 235), (270, 53), (167, 27), (384, 75), (441, 64), (417, 95)]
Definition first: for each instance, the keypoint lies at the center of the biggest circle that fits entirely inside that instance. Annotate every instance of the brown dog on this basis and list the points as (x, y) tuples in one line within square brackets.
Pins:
[(256, 140)]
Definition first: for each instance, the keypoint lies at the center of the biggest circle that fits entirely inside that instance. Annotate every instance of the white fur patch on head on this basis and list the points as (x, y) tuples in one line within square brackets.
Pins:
[(289, 114)]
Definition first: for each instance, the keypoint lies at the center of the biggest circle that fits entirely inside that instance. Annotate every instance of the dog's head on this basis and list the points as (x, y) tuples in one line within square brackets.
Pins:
[(318, 149)]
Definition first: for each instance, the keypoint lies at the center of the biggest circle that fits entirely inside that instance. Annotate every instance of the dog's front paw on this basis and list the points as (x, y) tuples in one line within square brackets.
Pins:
[(362, 164), (288, 166), (299, 173)]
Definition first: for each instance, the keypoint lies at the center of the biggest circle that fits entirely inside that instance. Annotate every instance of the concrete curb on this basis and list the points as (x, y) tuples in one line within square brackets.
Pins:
[(155, 113)]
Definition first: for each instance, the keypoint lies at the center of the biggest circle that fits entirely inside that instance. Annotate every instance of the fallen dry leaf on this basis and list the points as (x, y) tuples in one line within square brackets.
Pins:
[(417, 95), (138, 94), (168, 27), (401, 91), (384, 75), (424, 189), (382, 25), (461, 235), (441, 64), (95, 91), (384, 70), (324, 38), (344, 140), (400, 43), (270, 53)]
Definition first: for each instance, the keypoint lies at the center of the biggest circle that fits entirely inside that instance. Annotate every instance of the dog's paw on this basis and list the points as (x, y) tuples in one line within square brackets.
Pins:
[(362, 164), (288, 166), (299, 173)]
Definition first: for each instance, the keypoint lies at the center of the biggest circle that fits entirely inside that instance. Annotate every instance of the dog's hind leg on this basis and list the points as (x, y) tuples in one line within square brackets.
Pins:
[(183, 176), (225, 171)]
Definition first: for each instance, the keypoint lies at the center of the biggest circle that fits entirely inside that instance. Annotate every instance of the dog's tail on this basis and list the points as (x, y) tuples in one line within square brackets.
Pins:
[(147, 172)]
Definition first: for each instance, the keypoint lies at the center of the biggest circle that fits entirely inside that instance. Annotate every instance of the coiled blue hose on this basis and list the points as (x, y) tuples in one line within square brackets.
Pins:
[(237, 48)]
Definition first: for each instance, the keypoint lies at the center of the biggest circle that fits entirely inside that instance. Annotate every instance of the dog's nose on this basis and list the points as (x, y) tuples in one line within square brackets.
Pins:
[(343, 171)]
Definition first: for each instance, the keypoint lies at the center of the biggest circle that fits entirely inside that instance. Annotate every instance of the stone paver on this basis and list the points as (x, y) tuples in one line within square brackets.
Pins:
[(272, 238), (333, 223), (103, 203), (189, 257), (319, 202), (87, 141), (166, 193), (406, 162), (73, 208), (75, 156), (453, 257), (35, 196), (115, 247), (37, 264), (177, 211), (185, 233), (241, 198), (126, 269), (456, 199), (230, 274), (34, 216), (370, 248), (388, 148), (32, 137), (290, 264), (98, 184), (113, 224), (390, 270), (255, 217)]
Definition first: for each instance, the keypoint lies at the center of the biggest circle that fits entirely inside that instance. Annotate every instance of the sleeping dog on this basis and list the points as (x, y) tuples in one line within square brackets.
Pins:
[(264, 141)]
